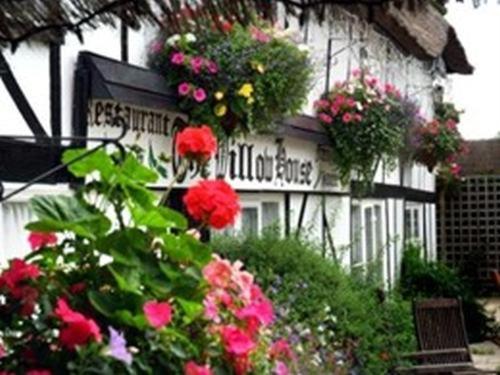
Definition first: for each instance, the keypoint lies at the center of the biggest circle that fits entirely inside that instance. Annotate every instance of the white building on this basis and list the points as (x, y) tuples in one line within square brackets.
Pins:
[(285, 178)]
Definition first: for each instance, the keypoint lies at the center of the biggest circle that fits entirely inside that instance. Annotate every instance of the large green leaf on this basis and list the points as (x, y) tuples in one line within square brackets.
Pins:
[(97, 161), (138, 172), (66, 213)]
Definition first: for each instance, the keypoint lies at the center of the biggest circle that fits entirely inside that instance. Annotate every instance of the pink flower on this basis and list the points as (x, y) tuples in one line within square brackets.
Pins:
[(211, 310), (158, 314), (218, 272), (38, 240), (350, 102), (327, 119), (191, 368), (177, 58), (197, 64), (321, 104), (199, 95), (156, 46), (358, 117), (455, 169), (347, 117), (3, 352), (356, 72), (258, 35), (236, 341), (212, 67), (371, 81), (184, 89), (281, 350), (262, 312), (281, 368)]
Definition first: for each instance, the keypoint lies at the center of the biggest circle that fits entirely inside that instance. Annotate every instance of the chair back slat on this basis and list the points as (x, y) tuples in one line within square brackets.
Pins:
[(440, 325)]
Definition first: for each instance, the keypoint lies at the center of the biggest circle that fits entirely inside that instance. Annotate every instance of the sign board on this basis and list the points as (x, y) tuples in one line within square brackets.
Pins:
[(263, 162)]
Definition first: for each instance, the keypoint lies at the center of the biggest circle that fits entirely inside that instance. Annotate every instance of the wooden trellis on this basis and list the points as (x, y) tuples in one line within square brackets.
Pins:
[(469, 228)]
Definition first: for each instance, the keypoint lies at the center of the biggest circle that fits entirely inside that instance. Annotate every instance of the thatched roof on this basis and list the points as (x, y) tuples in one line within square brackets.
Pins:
[(483, 157), (416, 24)]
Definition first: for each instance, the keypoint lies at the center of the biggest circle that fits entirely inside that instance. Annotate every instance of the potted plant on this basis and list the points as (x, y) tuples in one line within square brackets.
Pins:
[(358, 117), (237, 79)]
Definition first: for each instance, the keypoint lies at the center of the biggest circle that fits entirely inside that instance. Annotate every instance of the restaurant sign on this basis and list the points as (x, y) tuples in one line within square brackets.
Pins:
[(252, 163)]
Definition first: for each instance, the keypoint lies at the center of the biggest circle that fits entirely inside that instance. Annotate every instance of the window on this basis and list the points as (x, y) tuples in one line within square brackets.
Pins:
[(270, 214), (413, 222), (367, 237), (249, 220), (257, 215)]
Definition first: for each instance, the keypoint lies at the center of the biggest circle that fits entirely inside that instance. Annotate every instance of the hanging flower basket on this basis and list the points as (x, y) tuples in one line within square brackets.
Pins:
[(238, 79), (439, 141), (358, 116)]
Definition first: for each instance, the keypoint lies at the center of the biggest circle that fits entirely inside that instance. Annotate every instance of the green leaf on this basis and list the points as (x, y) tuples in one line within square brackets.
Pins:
[(138, 172), (128, 279), (176, 248), (176, 218), (192, 309), (97, 161), (60, 213)]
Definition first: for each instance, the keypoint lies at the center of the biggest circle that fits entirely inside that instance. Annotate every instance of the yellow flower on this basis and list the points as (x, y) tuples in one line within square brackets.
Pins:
[(220, 110), (246, 90), (258, 67), (219, 95)]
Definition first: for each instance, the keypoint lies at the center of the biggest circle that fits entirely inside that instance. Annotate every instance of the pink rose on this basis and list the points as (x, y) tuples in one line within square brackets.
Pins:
[(196, 64), (236, 341), (177, 58), (321, 104), (158, 314), (281, 350), (199, 95), (184, 89)]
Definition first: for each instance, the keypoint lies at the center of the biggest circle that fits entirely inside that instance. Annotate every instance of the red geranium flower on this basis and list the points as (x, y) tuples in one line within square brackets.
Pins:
[(78, 330), (28, 296), (38, 240), (38, 372), (158, 314), (198, 144), (213, 202), (19, 271)]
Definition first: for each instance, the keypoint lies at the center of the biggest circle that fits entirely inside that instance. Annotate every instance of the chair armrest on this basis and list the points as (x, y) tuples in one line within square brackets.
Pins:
[(431, 353)]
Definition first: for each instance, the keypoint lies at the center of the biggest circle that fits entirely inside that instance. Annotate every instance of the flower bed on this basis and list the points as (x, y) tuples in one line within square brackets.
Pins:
[(119, 284), (358, 116), (237, 79)]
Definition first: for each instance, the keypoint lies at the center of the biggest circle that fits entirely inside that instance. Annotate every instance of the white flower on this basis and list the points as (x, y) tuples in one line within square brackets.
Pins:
[(105, 259), (190, 37), (302, 47), (172, 40)]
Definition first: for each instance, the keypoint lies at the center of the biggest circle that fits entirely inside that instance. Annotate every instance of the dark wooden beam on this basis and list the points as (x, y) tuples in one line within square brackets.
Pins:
[(55, 88), (20, 100)]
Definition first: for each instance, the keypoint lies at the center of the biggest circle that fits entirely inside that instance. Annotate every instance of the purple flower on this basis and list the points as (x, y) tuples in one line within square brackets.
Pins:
[(118, 347)]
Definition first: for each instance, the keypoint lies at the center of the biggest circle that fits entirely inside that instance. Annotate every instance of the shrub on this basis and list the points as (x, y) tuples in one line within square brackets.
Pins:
[(336, 321), (422, 279)]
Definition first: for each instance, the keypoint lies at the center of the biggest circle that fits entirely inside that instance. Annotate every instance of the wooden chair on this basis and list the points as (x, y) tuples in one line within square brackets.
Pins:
[(442, 339)]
